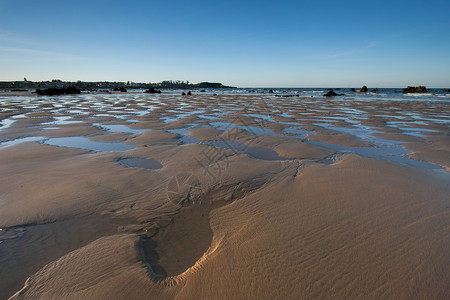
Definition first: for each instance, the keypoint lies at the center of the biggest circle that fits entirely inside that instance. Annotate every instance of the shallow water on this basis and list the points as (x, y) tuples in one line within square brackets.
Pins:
[(119, 128), (21, 140), (260, 116), (6, 123), (419, 132), (298, 132), (142, 163), (385, 109), (84, 143), (393, 153), (185, 138), (62, 120)]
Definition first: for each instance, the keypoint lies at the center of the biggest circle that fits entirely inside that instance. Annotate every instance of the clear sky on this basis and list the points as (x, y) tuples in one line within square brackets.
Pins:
[(322, 43)]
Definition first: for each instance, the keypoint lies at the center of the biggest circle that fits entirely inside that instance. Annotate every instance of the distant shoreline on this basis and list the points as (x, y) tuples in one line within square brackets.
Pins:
[(99, 85), (110, 85)]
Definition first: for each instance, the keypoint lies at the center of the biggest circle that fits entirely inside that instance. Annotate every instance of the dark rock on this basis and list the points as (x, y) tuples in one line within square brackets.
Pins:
[(69, 90), (415, 89), (189, 93), (421, 89), (183, 94), (271, 91), (446, 90), (409, 89), (202, 91), (363, 89), (152, 91), (353, 90), (330, 93), (120, 89), (374, 90)]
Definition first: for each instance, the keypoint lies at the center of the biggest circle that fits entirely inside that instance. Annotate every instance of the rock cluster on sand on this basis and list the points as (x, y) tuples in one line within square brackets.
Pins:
[(152, 91), (415, 89), (120, 89), (58, 91)]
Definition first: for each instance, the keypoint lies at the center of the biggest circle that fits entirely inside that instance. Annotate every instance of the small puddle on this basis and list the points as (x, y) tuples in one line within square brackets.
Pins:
[(298, 132), (120, 128), (21, 140), (260, 116), (210, 117), (84, 143), (286, 115), (138, 113), (180, 115), (184, 137), (419, 132), (290, 123), (76, 112), (6, 123), (142, 163), (63, 120)]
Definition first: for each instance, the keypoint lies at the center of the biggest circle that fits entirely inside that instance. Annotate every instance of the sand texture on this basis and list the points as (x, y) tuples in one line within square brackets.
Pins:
[(244, 197)]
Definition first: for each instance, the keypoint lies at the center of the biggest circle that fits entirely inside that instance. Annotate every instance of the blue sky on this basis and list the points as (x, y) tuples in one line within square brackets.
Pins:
[(241, 43)]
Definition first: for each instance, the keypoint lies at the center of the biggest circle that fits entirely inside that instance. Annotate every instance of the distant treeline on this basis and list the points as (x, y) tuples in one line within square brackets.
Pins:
[(81, 85), (106, 85)]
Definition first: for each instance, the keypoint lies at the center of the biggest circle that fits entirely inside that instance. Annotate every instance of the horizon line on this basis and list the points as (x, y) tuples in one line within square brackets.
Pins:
[(243, 87)]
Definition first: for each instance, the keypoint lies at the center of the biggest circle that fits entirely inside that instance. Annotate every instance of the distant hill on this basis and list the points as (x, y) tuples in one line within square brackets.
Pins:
[(179, 84)]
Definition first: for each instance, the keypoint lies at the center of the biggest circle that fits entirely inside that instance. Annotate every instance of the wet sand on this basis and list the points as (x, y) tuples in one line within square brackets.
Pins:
[(162, 196)]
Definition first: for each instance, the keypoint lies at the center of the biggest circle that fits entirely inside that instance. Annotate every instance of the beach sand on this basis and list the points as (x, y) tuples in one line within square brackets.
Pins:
[(257, 197)]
